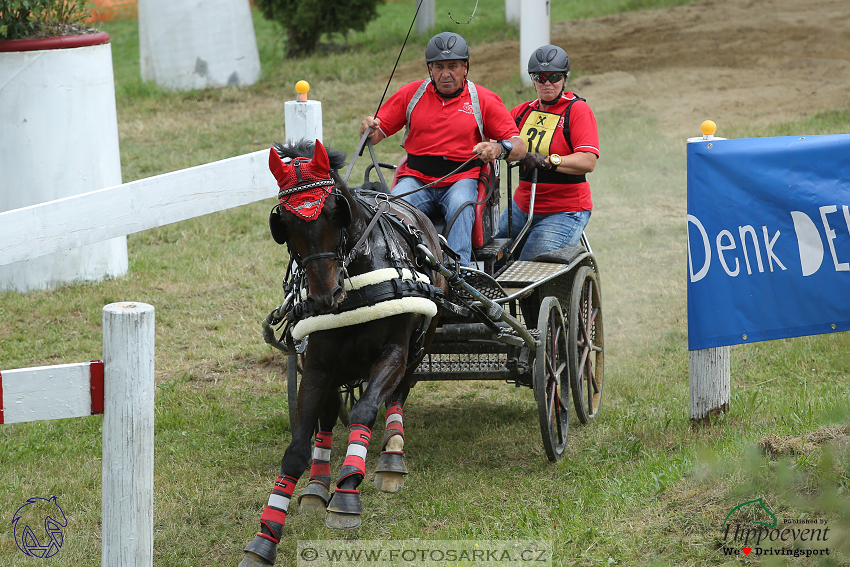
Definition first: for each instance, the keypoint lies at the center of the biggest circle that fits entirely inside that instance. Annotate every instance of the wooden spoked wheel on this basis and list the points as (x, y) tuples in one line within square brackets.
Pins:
[(550, 379), (348, 396), (587, 345)]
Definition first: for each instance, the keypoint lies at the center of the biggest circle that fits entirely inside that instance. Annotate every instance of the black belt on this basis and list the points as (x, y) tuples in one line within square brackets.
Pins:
[(549, 176), (438, 166)]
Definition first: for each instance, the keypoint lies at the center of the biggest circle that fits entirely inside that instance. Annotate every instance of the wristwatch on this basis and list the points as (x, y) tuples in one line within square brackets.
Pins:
[(554, 161), (507, 148)]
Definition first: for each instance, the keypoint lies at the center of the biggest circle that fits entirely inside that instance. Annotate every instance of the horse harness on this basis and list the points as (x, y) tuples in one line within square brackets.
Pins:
[(394, 230)]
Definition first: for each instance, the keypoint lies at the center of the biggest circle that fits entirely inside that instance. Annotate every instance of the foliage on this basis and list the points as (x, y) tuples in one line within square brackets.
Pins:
[(21, 19), (306, 20)]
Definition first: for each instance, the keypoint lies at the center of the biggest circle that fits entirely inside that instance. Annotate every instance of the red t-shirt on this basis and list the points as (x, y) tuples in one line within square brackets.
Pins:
[(445, 127), (543, 133)]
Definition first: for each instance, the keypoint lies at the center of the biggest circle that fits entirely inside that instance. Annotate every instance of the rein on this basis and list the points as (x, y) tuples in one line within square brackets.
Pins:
[(429, 185)]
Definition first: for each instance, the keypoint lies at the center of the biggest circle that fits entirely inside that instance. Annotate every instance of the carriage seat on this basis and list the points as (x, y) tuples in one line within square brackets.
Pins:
[(486, 222)]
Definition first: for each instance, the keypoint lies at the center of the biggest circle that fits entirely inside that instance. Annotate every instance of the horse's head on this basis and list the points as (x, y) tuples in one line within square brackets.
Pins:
[(308, 221)]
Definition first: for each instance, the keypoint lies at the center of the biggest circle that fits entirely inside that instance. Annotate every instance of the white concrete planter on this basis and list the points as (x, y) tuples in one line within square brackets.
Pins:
[(60, 138), (196, 44)]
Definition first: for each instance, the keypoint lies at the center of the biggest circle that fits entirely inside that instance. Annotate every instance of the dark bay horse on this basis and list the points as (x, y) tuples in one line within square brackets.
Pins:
[(342, 246)]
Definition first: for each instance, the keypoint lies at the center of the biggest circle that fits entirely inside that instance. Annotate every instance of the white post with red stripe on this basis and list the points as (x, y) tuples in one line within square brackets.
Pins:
[(533, 33), (122, 388), (128, 421)]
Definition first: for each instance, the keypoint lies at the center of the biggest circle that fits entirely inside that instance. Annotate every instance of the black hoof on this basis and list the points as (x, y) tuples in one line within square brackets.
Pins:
[(344, 510), (314, 499), (261, 552), (345, 502), (391, 461), (389, 474)]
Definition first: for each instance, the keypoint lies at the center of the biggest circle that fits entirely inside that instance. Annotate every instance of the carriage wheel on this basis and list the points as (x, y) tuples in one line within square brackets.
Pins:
[(348, 396), (550, 379), (587, 346), (294, 370)]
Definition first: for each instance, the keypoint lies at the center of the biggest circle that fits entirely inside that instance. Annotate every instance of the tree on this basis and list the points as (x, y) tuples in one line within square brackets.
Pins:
[(306, 20)]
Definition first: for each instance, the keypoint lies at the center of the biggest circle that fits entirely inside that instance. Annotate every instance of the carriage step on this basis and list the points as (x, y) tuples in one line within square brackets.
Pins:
[(522, 274)]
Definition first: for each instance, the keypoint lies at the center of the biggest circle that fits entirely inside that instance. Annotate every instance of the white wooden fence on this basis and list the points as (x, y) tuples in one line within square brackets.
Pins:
[(122, 388), (65, 224)]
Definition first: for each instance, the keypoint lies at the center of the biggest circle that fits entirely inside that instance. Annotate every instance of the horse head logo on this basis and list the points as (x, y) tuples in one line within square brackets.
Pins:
[(757, 508), (34, 511)]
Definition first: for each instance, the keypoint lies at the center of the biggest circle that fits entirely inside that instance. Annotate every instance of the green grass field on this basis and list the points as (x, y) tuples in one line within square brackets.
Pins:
[(638, 487)]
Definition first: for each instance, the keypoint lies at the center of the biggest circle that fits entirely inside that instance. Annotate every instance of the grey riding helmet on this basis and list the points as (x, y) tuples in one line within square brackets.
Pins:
[(549, 58), (446, 46)]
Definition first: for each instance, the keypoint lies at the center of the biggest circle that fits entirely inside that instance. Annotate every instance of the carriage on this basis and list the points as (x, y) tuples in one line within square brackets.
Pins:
[(536, 324)]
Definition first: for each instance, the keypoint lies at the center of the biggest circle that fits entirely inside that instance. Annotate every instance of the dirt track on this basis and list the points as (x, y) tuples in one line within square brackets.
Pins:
[(729, 60)]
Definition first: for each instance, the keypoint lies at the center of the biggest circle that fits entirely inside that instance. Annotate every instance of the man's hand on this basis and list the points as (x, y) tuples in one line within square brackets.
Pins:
[(488, 151), (374, 124), (533, 160)]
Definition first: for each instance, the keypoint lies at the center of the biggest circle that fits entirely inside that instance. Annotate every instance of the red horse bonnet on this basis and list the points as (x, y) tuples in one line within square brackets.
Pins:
[(304, 183)]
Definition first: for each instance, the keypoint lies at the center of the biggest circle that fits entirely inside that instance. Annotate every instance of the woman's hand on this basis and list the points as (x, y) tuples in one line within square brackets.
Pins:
[(534, 161)]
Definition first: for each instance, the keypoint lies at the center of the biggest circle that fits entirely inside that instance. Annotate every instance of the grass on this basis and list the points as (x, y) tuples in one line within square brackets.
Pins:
[(638, 487)]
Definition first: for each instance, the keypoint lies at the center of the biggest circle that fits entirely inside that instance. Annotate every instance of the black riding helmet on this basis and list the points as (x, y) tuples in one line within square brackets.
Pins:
[(549, 58), (446, 46)]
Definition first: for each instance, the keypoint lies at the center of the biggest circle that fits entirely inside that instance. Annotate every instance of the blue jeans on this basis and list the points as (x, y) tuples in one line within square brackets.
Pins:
[(445, 201), (547, 232)]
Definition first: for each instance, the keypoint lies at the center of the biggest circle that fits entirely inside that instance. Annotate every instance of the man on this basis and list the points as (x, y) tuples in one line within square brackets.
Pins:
[(449, 120), (563, 145)]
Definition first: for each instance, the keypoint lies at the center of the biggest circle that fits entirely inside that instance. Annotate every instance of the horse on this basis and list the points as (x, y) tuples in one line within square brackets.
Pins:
[(344, 243)]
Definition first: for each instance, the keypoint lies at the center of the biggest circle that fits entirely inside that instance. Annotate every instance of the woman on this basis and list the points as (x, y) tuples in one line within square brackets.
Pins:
[(563, 145)]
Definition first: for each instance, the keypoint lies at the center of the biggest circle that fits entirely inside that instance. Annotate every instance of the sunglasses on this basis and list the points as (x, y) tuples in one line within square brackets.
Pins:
[(553, 78)]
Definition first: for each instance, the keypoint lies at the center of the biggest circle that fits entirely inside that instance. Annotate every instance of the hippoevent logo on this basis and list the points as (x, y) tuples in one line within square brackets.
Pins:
[(39, 512), (750, 528)]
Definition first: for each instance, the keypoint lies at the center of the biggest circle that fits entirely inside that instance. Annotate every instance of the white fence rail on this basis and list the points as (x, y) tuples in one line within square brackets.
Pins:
[(65, 224)]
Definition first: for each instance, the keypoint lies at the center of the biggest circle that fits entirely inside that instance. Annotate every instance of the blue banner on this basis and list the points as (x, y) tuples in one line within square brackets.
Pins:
[(768, 239)]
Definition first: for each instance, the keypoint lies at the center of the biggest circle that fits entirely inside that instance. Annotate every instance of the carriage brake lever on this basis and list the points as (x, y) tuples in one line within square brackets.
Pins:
[(494, 310)]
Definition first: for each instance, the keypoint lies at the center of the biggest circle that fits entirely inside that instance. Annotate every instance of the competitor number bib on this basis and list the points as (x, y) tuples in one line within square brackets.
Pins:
[(538, 129)]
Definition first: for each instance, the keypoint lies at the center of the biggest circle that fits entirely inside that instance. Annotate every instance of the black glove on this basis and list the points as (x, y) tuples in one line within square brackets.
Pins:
[(532, 161)]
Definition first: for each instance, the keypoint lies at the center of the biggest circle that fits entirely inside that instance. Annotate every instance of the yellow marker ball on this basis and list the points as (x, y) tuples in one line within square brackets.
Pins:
[(708, 128), (302, 87)]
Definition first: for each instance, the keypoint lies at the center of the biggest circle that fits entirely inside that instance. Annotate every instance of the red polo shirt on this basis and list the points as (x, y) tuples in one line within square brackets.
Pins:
[(445, 127), (543, 133)]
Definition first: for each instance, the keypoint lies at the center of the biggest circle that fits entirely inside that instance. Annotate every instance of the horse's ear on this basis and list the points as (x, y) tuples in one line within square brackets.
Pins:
[(276, 226), (320, 158), (277, 167)]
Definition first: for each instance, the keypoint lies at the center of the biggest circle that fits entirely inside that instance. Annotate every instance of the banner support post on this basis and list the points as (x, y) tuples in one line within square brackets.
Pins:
[(709, 370)]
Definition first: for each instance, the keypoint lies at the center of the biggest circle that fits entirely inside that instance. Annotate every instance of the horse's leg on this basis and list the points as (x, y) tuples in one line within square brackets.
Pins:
[(262, 551), (389, 474), (344, 509), (315, 497)]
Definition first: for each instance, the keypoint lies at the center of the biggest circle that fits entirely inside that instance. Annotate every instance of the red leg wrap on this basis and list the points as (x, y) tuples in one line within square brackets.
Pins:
[(394, 424), (355, 459), (320, 470), (274, 514)]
